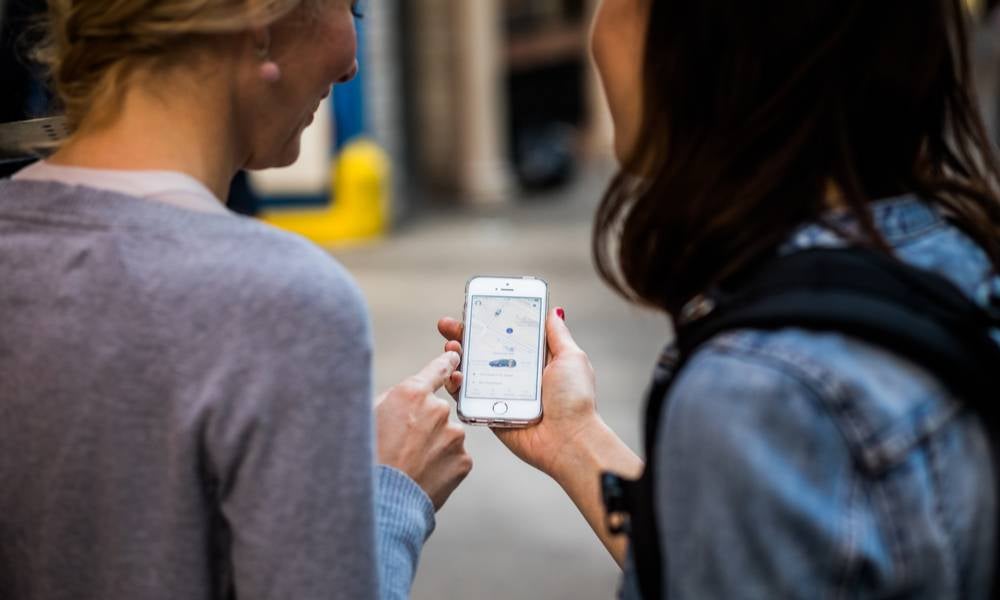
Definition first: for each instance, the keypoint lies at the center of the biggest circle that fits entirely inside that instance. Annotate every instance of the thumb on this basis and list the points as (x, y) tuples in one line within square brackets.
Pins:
[(557, 335)]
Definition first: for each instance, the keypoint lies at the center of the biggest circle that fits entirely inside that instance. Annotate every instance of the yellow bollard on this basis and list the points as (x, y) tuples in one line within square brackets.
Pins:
[(359, 204)]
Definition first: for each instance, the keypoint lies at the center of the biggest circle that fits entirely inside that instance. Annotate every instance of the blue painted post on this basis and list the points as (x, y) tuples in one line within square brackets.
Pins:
[(349, 100)]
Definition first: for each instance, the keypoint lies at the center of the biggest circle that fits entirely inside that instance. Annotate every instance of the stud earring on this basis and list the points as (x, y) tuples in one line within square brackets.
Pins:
[(269, 70)]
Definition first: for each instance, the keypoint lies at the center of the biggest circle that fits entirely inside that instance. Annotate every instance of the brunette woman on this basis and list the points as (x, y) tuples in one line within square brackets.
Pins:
[(792, 463)]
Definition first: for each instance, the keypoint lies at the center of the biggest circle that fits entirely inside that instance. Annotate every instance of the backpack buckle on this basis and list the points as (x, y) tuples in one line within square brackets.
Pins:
[(697, 308), (617, 501)]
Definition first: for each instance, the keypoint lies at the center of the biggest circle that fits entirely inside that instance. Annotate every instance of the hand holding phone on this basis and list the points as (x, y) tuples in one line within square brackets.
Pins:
[(504, 351), (572, 425), (572, 444)]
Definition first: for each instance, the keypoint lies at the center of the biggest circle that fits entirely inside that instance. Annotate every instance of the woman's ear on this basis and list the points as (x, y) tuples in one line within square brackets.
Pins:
[(268, 70), (261, 38)]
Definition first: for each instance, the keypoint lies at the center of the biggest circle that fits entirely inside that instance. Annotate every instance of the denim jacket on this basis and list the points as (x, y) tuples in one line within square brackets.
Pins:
[(800, 464)]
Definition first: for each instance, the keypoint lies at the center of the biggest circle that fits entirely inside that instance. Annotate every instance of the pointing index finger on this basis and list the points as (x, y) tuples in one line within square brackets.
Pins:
[(438, 371)]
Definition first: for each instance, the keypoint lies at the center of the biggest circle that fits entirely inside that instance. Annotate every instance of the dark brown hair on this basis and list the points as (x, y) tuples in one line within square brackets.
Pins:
[(754, 110)]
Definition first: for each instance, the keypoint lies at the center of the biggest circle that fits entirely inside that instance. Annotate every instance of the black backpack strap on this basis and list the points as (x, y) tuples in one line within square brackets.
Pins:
[(862, 293), (629, 503), (865, 294)]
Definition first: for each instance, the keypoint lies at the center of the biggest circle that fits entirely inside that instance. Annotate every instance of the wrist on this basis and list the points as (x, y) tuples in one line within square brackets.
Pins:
[(593, 449)]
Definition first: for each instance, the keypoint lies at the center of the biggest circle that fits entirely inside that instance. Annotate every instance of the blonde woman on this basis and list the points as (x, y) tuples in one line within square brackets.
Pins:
[(186, 394)]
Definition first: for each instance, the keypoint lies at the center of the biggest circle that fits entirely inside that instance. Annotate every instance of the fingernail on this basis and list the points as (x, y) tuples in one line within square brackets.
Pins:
[(561, 313), (454, 358)]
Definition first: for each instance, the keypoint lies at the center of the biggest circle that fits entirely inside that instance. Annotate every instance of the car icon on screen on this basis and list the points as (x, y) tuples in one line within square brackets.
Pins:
[(509, 363)]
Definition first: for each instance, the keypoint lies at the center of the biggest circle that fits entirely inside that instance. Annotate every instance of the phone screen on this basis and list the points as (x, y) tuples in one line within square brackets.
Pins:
[(505, 337)]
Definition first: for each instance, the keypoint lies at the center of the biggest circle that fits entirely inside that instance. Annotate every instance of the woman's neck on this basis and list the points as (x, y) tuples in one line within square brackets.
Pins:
[(192, 131)]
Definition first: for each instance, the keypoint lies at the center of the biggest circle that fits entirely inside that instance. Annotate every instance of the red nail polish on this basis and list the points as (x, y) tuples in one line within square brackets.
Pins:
[(561, 313)]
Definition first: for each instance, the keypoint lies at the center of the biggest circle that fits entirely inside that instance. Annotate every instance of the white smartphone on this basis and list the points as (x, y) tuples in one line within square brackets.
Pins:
[(503, 351)]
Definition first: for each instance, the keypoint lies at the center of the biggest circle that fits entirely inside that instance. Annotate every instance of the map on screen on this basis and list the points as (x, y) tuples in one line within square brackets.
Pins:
[(504, 339)]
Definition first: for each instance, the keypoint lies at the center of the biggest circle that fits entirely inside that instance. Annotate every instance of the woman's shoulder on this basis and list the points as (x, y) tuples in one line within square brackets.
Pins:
[(217, 268), (267, 273), (792, 431), (881, 401), (881, 404)]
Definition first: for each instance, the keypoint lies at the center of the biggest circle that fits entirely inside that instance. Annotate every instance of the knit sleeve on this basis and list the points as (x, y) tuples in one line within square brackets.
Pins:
[(404, 518)]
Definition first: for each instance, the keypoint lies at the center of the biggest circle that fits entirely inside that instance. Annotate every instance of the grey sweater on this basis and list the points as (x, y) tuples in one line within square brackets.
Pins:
[(185, 410)]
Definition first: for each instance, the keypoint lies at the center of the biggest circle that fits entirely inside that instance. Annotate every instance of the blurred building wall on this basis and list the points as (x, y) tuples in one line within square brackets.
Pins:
[(481, 164), (461, 57), (384, 87), (433, 89), (458, 144)]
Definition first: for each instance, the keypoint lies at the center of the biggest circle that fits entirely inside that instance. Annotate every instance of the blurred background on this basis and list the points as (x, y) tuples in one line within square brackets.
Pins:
[(474, 141)]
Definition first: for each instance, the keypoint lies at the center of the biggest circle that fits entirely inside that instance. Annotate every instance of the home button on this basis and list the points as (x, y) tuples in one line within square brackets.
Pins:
[(500, 408)]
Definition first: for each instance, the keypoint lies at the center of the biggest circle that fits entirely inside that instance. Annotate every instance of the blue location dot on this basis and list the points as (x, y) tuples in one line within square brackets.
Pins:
[(510, 330)]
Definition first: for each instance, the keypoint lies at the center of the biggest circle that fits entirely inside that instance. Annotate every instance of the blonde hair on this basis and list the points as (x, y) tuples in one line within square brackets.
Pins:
[(91, 47)]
